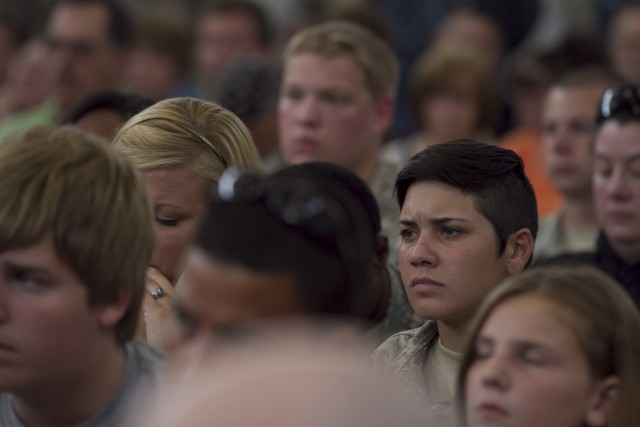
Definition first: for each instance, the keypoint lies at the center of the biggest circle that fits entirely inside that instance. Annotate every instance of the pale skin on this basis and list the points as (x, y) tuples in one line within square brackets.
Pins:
[(568, 133), (327, 113), (617, 186), (449, 257), (177, 213), (530, 370), (52, 377)]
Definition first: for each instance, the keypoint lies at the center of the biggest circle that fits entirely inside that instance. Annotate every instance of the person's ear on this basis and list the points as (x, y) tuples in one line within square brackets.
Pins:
[(384, 111), (110, 314), (381, 253), (519, 249), (603, 401)]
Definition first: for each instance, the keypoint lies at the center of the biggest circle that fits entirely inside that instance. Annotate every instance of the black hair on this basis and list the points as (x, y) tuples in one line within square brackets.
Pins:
[(493, 175), (248, 87), (120, 20), (329, 272), (344, 179), (257, 14), (127, 105)]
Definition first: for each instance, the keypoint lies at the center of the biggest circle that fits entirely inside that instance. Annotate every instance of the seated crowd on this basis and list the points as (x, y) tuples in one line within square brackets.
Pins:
[(236, 253)]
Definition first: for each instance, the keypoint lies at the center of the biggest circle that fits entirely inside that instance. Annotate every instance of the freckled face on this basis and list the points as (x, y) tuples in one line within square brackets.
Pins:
[(448, 254)]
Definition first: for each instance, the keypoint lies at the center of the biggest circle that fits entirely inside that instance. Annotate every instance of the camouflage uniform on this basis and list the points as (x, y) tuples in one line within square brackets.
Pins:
[(400, 315), (382, 186), (403, 356)]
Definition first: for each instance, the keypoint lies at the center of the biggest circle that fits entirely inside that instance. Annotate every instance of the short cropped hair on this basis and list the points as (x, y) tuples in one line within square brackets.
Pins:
[(120, 24), (493, 175), (603, 318), (170, 133), (373, 56), (91, 200)]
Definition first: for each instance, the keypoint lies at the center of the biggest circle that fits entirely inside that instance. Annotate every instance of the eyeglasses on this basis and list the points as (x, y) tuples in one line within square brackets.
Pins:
[(619, 101), (303, 206)]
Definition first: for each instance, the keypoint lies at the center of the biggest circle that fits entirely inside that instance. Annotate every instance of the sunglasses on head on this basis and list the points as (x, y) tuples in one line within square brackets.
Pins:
[(619, 101), (300, 204)]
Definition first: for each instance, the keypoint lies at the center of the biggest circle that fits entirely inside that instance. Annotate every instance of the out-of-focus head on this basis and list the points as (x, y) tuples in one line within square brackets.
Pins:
[(182, 146), (15, 29), (554, 347), (91, 201), (616, 179), (568, 129), (467, 220), (27, 82), (474, 29), (309, 250), (336, 99), (162, 53), (89, 42), (452, 95), (530, 74), (226, 30), (334, 178), (292, 383), (103, 113), (249, 88), (624, 42)]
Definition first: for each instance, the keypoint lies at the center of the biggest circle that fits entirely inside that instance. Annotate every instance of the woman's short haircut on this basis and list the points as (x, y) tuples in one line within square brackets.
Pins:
[(90, 199), (493, 175)]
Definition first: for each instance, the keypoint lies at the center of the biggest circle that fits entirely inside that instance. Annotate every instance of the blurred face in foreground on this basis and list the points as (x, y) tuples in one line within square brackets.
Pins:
[(530, 370)]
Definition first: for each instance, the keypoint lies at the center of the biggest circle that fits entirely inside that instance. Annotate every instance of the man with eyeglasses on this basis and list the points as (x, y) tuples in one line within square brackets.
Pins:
[(89, 42), (616, 186)]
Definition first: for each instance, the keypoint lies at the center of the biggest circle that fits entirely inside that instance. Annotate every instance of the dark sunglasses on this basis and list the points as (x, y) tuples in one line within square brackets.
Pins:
[(619, 101)]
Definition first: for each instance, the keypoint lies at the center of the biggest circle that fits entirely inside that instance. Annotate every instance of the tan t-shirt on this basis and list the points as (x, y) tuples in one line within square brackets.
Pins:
[(440, 372)]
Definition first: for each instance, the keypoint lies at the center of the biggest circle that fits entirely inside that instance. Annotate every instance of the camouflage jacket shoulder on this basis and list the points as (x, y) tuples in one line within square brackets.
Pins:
[(403, 355), (382, 186)]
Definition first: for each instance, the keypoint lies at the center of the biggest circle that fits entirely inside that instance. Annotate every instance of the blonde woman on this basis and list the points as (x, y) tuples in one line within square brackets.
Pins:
[(553, 347), (181, 146)]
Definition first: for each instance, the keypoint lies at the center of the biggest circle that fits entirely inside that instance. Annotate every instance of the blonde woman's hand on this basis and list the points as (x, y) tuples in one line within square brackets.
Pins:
[(156, 323)]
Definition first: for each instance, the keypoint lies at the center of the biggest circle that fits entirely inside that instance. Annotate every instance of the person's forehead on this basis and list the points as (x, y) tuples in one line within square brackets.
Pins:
[(88, 20), (580, 99), (310, 65), (618, 139), (436, 198)]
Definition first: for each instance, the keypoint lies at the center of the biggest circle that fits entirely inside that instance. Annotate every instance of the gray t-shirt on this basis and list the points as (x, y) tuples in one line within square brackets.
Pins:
[(143, 366)]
